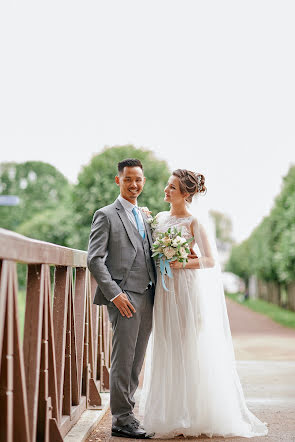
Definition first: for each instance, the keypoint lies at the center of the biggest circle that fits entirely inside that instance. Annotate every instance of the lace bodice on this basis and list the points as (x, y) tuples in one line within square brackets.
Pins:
[(165, 220)]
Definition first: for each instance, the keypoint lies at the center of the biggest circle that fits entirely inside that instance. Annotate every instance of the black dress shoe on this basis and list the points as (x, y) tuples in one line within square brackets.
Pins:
[(137, 424), (131, 430)]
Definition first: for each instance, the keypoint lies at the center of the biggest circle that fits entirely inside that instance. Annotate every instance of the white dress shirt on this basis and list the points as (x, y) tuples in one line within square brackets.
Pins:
[(128, 209)]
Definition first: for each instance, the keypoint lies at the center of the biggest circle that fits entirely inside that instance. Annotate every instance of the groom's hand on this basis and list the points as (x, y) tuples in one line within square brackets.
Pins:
[(124, 305)]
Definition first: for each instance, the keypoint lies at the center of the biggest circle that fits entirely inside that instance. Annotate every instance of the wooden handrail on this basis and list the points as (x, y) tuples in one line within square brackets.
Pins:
[(63, 364), (19, 248)]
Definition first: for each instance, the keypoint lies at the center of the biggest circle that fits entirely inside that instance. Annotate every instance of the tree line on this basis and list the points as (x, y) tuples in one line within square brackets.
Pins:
[(54, 210), (269, 252)]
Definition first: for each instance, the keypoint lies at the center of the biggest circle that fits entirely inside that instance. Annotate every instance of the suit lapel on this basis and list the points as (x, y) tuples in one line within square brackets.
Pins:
[(127, 225), (147, 227)]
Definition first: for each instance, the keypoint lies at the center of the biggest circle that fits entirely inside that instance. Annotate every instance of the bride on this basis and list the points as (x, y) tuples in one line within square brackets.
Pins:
[(191, 385)]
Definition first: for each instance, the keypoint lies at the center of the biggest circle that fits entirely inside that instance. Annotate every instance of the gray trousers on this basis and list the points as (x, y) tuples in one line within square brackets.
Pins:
[(130, 338)]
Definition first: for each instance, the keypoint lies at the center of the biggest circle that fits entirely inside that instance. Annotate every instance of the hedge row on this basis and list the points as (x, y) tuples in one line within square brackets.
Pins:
[(269, 252)]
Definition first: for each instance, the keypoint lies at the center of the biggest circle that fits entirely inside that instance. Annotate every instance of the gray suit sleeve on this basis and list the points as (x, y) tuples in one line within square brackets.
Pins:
[(97, 251)]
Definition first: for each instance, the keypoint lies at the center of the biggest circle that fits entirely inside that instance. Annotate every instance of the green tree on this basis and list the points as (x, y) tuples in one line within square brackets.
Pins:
[(51, 225), (223, 226), (283, 216), (270, 250), (40, 186), (96, 186), (261, 251), (239, 262)]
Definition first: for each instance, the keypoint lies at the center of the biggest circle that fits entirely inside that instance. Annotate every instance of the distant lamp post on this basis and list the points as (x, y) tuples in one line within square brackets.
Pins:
[(9, 200)]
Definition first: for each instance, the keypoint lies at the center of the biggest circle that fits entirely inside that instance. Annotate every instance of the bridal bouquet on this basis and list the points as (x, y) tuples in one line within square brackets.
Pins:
[(170, 246)]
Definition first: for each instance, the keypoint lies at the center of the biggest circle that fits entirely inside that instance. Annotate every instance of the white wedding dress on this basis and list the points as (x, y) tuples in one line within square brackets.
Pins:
[(191, 385)]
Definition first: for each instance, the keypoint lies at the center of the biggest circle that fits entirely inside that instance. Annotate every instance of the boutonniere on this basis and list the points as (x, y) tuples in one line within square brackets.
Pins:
[(146, 211), (152, 220)]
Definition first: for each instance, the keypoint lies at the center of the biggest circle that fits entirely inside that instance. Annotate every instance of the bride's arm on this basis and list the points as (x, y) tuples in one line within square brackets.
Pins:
[(206, 259)]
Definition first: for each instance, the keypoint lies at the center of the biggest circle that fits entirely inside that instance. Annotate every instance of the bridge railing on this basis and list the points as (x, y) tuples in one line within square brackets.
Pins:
[(60, 366)]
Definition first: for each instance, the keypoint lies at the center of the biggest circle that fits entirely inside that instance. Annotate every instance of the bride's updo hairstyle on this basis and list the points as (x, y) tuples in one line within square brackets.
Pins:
[(190, 182)]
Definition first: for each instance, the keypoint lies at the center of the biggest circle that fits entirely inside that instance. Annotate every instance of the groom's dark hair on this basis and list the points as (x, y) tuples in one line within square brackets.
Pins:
[(129, 162)]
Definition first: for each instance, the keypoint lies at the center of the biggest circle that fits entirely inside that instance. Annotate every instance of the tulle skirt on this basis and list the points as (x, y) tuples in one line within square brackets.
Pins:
[(191, 385)]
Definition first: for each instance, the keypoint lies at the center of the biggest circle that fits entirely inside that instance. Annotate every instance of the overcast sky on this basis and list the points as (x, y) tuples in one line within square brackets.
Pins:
[(207, 85)]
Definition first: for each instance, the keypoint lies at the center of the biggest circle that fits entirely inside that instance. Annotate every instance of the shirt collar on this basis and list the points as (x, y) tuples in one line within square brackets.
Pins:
[(126, 204)]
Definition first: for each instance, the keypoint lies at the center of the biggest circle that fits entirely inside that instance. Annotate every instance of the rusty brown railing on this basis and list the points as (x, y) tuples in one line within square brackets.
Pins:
[(62, 365)]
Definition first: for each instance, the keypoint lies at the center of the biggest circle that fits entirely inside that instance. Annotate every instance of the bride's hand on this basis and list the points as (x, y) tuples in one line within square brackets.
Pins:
[(193, 263), (176, 265)]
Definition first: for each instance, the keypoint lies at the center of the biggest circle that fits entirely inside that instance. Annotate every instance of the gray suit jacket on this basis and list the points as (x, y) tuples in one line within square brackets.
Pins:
[(112, 250)]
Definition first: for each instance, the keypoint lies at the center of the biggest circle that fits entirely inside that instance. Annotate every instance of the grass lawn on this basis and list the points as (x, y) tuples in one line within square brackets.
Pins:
[(21, 298), (276, 313)]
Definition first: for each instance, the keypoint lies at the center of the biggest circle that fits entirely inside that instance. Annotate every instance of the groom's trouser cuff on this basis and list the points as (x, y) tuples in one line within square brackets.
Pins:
[(130, 337)]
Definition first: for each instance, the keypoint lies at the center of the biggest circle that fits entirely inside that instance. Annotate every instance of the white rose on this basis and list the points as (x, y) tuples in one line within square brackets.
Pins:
[(169, 252), (178, 241), (183, 252), (166, 240)]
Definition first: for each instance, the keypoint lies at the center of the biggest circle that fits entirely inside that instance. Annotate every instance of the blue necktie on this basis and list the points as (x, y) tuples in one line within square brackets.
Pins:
[(139, 223)]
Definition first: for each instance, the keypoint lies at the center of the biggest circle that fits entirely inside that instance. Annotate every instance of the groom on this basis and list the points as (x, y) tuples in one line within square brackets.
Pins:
[(120, 260)]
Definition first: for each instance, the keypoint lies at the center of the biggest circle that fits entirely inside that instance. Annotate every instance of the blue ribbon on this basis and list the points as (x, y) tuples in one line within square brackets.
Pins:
[(165, 270)]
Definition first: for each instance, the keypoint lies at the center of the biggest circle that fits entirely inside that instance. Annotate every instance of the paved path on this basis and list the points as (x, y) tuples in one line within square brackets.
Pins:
[(265, 352)]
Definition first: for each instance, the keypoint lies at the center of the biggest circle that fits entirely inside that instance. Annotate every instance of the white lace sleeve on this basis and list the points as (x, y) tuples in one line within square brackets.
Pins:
[(202, 246)]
